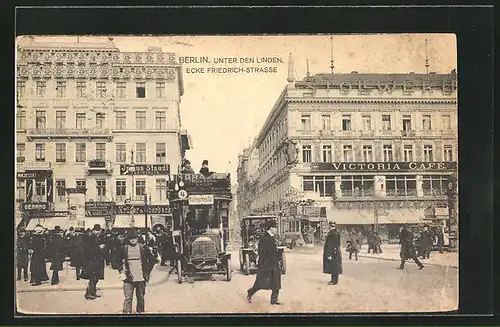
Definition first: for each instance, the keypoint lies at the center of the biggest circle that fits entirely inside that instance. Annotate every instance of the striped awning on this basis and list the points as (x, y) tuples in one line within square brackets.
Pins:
[(367, 216)]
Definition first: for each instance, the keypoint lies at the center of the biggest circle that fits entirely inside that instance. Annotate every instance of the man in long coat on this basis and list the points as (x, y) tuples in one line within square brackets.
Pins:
[(38, 269), (425, 243), (268, 270), (22, 248), (93, 261), (76, 255), (56, 253), (353, 244), (407, 248), (332, 256)]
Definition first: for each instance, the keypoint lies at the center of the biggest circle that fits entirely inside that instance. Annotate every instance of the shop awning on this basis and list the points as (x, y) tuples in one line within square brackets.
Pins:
[(87, 222), (48, 223), (367, 217)]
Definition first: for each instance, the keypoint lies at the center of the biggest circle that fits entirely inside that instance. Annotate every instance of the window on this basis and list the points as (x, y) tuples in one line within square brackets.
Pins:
[(327, 153), (60, 119), (60, 152), (100, 151), (406, 123), (160, 89), (81, 184), (306, 153), (121, 120), (326, 120), (21, 148), (101, 89), (161, 189), (426, 122), (140, 120), (161, 153), (100, 120), (121, 152), (40, 89), (346, 122), (140, 189), (61, 190), (367, 123), (433, 185), (121, 190), (306, 122), (81, 87), (387, 149), (446, 123), (121, 90), (61, 89), (408, 152), (140, 150), (448, 153), (21, 88), (140, 90), (367, 153), (40, 187), (39, 152), (401, 185), (160, 119), (347, 153), (386, 122), (323, 185), (101, 189), (21, 190), (80, 120), (428, 152), (21, 119), (357, 185), (41, 120), (81, 152)]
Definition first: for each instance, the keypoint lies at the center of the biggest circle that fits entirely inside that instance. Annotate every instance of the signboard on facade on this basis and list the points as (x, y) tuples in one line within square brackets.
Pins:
[(35, 174), (441, 212), (45, 214), (154, 169), (97, 164), (197, 184), (98, 209), (206, 199), (34, 206), (140, 209), (76, 190), (311, 211), (384, 166)]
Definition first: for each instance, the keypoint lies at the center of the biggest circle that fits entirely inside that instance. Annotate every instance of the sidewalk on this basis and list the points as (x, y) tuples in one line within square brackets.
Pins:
[(68, 282)]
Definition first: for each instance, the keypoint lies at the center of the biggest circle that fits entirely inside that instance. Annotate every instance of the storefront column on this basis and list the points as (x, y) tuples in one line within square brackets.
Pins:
[(420, 184), (338, 184), (379, 185)]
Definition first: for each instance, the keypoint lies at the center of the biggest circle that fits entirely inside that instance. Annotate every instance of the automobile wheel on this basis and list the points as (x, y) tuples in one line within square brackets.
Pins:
[(228, 270), (179, 271), (283, 263), (247, 264)]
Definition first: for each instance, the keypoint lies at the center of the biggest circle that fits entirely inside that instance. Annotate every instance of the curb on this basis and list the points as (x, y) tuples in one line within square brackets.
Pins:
[(83, 288), (398, 260)]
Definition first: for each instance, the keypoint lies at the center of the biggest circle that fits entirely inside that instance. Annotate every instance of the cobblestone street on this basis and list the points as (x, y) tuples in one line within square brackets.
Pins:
[(367, 285)]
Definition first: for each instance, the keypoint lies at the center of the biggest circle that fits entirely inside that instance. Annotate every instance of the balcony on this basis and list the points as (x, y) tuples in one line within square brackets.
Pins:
[(69, 133), (357, 193), (99, 166), (408, 133), (401, 193)]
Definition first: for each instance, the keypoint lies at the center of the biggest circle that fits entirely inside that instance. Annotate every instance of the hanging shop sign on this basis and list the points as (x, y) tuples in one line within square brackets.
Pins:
[(48, 214), (154, 169), (141, 209), (384, 166), (34, 206), (35, 174), (98, 209), (206, 199)]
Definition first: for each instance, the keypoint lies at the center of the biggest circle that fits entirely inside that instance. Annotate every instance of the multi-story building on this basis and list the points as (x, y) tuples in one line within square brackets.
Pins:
[(368, 149), (87, 112), (248, 165)]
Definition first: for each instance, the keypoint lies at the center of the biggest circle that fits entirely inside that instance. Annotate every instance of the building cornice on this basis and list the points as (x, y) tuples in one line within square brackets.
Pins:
[(275, 112), (377, 101)]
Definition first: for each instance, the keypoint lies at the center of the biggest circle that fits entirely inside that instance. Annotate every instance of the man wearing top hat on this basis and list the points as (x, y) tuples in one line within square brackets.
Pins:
[(204, 170), (332, 256), (136, 264), (56, 253), (38, 270), (93, 261), (22, 247), (268, 270), (425, 243)]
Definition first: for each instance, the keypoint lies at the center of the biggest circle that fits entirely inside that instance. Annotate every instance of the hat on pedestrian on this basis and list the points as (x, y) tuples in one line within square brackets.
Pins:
[(205, 162), (97, 227), (332, 224), (71, 228), (426, 226), (271, 223), (57, 229), (114, 231), (38, 229), (132, 234)]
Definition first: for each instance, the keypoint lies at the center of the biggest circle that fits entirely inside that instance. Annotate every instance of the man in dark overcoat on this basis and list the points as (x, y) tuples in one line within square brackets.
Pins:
[(332, 256), (160, 240), (38, 269), (56, 253), (22, 247), (425, 243), (407, 248), (116, 244), (93, 261), (76, 255), (268, 270), (370, 239)]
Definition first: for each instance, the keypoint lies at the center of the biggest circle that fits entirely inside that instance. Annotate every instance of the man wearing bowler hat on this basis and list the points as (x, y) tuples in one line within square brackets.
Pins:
[(22, 257), (56, 253), (268, 270), (332, 256), (93, 261)]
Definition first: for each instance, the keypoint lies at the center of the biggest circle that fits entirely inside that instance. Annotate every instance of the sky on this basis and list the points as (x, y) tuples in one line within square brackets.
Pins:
[(224, 112)]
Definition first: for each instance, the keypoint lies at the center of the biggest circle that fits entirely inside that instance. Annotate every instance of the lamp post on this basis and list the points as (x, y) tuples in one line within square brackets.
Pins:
[(131, 170)]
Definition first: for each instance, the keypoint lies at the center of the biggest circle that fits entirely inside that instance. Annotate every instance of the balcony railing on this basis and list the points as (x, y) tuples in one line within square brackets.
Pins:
[(69, 132), (357, 193), (97, 165), (408, 133), (437, 192), (401, 192)]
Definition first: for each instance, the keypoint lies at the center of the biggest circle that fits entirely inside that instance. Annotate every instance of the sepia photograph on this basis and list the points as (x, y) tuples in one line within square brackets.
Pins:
[(236, 174)]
